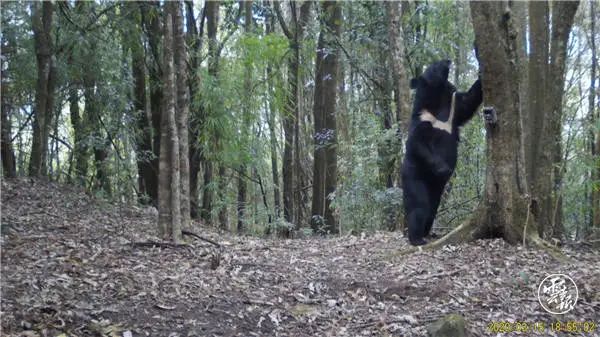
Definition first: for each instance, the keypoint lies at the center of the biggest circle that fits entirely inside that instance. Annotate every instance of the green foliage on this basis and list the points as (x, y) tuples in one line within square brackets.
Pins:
[(236, 106)]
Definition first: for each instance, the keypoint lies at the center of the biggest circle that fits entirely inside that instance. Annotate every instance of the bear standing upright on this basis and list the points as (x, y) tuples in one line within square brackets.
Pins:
[(431, 150)]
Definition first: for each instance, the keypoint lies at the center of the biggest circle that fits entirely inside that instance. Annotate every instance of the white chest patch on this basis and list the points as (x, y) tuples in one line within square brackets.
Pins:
[(427, 116)]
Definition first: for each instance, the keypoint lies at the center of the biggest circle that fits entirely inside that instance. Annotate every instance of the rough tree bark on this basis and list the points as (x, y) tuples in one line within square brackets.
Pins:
[(324, 110), (212, 21), (270, 110), (300, 175), (537, 157), (397, 54), (594, 118), (505, 210), (152, 27), (141, 116), (563, 14), (194, 40), (182, 112), (241, 180), (543, 128), (169, 209), (291, 170), (44, 95), (7, 154)]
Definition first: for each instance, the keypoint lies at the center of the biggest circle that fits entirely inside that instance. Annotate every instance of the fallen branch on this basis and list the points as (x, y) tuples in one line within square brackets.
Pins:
[(186, 232), (160, 244), (257, 302)]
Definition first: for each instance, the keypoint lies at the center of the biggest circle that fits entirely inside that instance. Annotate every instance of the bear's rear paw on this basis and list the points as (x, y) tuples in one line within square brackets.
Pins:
[(418, 242), (433, 236)]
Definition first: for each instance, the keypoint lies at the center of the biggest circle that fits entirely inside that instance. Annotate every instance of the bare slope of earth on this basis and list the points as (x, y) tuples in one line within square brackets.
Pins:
[(76, 266)]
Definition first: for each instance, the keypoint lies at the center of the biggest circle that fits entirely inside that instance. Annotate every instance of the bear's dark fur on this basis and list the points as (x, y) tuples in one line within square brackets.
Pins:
[(431, 149)]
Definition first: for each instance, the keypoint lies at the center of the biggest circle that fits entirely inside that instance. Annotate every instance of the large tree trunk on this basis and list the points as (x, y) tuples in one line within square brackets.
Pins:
[(325, 164), (44, 95), (505, 208), (537, 157)]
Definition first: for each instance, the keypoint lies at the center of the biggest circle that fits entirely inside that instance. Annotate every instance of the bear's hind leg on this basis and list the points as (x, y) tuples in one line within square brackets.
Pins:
[(416, 226), (435, 197)]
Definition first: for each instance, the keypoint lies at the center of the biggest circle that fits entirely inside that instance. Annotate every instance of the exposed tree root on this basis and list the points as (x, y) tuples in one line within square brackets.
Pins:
[(535, 241), (466, 232), (472, 230)]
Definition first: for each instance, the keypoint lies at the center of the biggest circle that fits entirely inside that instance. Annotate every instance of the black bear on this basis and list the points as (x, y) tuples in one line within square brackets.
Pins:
[(431, 149)]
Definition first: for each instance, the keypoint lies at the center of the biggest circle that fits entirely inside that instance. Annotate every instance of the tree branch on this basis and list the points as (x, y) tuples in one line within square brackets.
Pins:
[(284, 27)]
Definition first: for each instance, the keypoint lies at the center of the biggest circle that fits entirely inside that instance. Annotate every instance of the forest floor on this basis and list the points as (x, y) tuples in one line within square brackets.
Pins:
[(73, 265)]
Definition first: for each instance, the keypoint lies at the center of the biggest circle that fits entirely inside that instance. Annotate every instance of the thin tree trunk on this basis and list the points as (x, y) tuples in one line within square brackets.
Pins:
[(207, 195), (182, 114), (223, 215), (563, 14), (195, 42), (400, 77), (152, 26), (7, 154), (270, 110), (44, 96), (325, 164), (80, 147), (292, 170), (169, 163), (241, 180), (594, 118), (140, 114), (212, 21), (300, 192), (288, 130)]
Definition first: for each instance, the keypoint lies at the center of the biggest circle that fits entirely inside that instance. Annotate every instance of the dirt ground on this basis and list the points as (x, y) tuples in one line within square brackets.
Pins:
[(73, 265)]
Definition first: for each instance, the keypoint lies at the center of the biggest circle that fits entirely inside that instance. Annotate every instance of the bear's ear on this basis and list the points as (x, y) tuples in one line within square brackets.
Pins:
[(414, 82)]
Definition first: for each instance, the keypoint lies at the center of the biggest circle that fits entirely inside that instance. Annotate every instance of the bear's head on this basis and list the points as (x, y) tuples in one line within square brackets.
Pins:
[(434, 91)]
